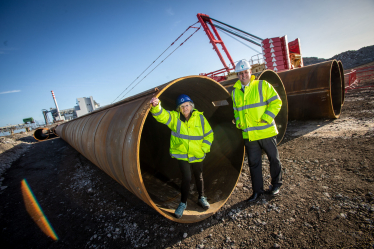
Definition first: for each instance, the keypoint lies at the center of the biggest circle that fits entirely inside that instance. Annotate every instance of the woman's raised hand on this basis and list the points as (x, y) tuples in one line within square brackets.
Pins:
[(154, 101)]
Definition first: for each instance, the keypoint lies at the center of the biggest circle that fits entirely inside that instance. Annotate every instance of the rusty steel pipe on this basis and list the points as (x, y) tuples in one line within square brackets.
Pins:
[(44, 133), (41, 134), (314, 91), (341, 70), (128, 144), (272, 77)]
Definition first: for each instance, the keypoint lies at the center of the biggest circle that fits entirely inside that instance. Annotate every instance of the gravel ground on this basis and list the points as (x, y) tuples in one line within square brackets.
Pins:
[(327, 199)]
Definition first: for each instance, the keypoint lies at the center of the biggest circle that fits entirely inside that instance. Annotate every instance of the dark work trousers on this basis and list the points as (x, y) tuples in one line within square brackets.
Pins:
[(197, 169), (254, 152)]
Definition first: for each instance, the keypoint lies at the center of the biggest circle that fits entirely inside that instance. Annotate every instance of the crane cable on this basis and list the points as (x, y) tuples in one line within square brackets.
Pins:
[(241, 42), (236, 34), (197, 29), (156, 60), (243, 32)]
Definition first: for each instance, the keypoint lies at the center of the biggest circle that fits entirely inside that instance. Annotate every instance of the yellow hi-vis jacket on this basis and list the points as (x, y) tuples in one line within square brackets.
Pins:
[(259, 101), (190, 140)]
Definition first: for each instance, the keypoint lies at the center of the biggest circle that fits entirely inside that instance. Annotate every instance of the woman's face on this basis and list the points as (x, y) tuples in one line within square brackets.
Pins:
[(186, 109)]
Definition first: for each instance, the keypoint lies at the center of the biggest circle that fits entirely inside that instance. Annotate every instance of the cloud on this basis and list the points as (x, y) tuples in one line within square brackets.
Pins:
[(14, 91), (170, 11)]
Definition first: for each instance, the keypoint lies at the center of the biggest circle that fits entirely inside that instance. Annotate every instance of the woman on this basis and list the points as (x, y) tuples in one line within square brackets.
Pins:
[(191, 138)]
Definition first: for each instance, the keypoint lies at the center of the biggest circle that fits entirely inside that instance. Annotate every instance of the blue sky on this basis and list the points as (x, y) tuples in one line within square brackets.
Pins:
[(97, 48)]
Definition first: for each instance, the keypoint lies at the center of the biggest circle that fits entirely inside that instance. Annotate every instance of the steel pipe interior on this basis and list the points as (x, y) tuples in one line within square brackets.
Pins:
[(127, 143), (41, 134)]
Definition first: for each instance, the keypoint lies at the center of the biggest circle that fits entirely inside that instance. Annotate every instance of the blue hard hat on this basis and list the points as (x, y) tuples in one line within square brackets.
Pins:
[(183, 98)]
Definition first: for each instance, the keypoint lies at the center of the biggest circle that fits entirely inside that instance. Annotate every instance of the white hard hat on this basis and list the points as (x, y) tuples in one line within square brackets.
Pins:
[(242, 65)]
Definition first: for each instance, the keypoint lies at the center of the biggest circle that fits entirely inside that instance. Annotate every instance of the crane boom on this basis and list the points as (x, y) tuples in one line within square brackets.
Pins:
[(215, 39), (278, 54)]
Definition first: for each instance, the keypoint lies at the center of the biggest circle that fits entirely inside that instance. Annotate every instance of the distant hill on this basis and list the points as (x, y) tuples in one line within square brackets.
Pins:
[(350, 59)]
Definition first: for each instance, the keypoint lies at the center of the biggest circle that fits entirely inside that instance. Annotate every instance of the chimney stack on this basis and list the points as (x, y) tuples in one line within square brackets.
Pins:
[(58, 111)]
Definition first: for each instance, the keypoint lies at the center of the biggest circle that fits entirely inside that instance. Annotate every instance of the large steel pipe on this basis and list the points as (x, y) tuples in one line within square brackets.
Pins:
[(270, 76), (314, 91), (41, 134), (341, 70), (127, 143)]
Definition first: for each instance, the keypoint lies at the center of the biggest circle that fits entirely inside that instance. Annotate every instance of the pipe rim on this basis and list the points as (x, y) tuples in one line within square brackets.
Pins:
[(40, 130), (151, 202)]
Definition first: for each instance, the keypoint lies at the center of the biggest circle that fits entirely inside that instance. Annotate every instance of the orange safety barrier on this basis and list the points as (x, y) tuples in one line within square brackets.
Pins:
[(362, 77)]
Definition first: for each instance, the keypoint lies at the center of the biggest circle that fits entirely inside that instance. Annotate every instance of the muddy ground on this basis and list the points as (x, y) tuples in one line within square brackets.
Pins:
[(327, 199)]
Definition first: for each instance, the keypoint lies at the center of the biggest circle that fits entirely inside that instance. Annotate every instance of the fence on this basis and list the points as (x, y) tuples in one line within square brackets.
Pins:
[(362, 77)]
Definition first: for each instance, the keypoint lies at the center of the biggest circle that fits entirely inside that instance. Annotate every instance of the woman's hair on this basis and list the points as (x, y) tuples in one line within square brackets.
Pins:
[(179, 106)]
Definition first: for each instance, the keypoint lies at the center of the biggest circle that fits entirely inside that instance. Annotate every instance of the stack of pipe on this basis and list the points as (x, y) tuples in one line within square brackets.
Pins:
[(127, 143), (313, 92)]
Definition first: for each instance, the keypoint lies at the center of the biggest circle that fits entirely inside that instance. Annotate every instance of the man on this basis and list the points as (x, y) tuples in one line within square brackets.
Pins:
[(256, 104)]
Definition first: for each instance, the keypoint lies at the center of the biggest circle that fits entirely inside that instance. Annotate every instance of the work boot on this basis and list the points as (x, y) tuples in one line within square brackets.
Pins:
[(273, 190), (204, 203), (254, 197), (179, 211)]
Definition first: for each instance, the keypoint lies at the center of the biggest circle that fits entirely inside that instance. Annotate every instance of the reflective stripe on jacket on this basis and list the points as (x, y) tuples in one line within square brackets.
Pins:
[(190, 140), (259, 101)]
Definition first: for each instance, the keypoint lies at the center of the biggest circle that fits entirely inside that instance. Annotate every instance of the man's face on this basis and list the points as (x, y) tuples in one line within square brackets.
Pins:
[(245, 76)]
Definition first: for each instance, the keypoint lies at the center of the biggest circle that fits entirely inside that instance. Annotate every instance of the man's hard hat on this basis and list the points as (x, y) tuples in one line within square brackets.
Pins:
[(182, 99), (242, 65)]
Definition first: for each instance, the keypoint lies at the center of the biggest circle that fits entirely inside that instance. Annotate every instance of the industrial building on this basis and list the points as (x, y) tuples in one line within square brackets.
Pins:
[(85, 105)]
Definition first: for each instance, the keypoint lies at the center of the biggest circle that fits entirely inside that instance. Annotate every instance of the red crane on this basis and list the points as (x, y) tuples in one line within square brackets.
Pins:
[(215, 39), (278, 54)]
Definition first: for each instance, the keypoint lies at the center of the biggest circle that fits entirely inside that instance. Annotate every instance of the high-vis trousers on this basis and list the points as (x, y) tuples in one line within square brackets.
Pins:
[(254, 152)]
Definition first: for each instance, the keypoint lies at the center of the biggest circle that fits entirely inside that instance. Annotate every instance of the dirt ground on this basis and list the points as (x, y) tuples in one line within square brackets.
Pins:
[(327, 199)]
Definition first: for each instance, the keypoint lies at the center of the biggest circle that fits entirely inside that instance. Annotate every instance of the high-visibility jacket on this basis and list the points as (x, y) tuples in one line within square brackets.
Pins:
[(258, 102), (190, 140)]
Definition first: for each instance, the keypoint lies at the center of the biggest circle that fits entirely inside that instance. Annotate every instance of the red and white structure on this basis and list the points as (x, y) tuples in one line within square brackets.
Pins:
[(58, 111), (294, 48), (279, 54), (276, 53)]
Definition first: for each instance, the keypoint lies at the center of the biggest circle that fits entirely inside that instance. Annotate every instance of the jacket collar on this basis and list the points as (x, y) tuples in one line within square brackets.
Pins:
[(194, 112), (238, 84)]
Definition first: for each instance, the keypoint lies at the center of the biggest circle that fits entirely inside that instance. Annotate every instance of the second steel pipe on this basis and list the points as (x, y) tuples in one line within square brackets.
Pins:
[(314, 91)]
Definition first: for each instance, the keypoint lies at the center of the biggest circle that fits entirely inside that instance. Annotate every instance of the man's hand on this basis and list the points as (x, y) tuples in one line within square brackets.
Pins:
[(238, 126), (263, 121), (154, 101)]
